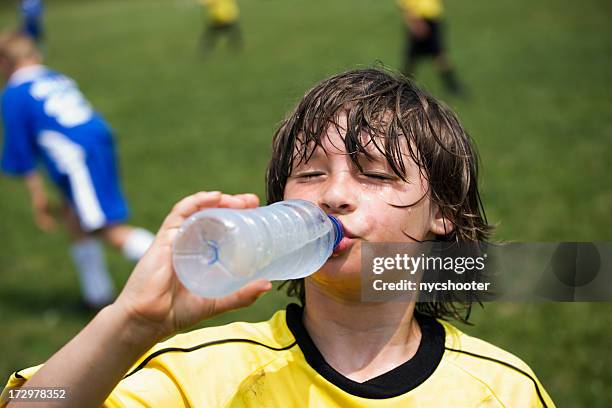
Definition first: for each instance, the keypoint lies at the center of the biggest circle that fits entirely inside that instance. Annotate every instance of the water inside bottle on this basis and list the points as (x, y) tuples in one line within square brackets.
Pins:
[(302, 243), (217, 251)]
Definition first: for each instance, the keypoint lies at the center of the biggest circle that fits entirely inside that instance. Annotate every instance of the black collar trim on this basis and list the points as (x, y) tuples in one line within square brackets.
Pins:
[(398, 381)]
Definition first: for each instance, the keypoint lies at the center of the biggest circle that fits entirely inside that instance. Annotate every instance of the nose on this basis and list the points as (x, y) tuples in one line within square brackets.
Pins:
[(338, 196)]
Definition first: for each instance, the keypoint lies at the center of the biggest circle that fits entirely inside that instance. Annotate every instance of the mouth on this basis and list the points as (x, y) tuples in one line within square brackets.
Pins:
[(343, 245), (348, 240)]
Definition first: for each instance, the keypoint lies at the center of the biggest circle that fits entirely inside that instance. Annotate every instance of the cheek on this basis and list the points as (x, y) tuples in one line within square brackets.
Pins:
[(379, 221), (415, 223), (391, 225), (294, 190), (397, 225)]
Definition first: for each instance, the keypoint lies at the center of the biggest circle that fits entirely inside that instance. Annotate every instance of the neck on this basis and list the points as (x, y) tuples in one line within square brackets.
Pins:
[(360, 340), (28, 62)]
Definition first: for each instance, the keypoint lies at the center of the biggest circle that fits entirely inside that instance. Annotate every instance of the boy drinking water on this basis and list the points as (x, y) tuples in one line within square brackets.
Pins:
[(353, 142)]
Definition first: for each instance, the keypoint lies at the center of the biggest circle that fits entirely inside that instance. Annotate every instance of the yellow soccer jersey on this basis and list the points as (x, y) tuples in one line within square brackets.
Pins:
[(430, 9), (222, 11), (276, 364)]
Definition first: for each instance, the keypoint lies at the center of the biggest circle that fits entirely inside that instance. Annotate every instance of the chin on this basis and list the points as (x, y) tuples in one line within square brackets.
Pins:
[(340, 268), (336, 284)]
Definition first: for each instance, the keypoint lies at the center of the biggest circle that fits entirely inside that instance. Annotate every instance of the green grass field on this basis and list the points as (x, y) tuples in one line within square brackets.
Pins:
[(538, 75)]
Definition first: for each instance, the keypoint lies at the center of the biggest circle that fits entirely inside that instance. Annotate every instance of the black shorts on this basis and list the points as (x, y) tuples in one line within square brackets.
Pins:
[(431, 44), (223, 25)]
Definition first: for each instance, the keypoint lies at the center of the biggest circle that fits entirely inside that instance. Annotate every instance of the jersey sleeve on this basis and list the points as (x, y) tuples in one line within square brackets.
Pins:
[(19, 149), (148, 388), (16, 380)]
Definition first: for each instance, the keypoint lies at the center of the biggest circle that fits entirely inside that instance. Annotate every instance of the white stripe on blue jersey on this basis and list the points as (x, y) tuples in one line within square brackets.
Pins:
[(69, 158)]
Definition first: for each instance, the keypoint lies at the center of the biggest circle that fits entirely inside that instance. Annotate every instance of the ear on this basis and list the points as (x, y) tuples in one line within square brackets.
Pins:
[(439, 223)]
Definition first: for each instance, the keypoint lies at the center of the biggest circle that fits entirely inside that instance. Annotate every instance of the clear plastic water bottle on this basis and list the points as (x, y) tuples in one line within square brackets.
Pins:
[(219, 250)]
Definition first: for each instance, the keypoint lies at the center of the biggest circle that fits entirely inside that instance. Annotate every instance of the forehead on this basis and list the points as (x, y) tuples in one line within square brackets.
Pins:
[(335, 144), (359, 144)]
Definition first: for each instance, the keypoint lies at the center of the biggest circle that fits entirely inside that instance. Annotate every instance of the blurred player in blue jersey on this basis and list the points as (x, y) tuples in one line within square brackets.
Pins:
[(46, 119), (32, 15)]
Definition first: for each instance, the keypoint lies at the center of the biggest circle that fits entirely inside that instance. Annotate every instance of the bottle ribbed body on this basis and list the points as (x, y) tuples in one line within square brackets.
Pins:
[(219, 250)]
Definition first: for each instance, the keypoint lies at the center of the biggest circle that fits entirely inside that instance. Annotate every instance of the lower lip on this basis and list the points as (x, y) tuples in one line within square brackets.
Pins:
[(343, 245)]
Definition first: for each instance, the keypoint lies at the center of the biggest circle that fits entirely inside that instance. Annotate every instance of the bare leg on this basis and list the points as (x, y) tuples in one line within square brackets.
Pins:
[(409, 62), (132, 241), (72, 224), (209, 38), (235, 37), (116, 235), (447, 73), (443, 63)]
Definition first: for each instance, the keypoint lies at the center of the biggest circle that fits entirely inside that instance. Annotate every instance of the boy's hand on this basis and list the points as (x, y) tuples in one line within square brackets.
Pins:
[(155, 299), (41, 208)]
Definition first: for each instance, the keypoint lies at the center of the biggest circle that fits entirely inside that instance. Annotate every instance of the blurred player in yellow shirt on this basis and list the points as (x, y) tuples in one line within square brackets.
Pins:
[(222, 21), (423, 19)]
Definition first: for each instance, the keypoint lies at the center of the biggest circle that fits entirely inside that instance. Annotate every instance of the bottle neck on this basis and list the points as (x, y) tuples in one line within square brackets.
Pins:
[(338, 231)]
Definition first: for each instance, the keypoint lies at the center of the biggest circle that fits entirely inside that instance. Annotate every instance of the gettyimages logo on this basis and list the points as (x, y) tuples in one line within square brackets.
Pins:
[(459, 272), (413, 264)]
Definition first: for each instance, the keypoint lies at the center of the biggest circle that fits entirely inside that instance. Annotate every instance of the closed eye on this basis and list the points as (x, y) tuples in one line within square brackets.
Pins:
[(309, 175), (379, 176)]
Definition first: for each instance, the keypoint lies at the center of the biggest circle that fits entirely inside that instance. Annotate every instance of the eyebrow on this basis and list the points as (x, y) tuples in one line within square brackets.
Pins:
[(374, 156), (305, 154), (320, 154)]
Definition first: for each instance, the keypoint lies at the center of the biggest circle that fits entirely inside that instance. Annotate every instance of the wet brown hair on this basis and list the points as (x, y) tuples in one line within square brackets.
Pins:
[(394, 113)]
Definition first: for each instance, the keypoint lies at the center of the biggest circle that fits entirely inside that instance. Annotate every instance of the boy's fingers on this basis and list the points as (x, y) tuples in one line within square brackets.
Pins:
[(206, 199), (189, 205), (251, 200), (199, 201), (238, 201), (230, 201), (242, 297)]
